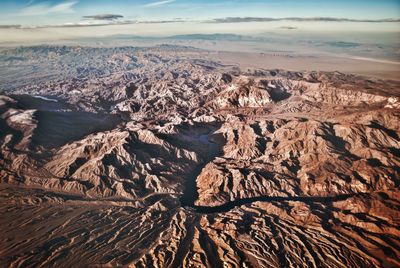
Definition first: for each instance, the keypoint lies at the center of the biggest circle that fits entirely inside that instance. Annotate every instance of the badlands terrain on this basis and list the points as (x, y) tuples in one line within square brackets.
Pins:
[(159, 157)]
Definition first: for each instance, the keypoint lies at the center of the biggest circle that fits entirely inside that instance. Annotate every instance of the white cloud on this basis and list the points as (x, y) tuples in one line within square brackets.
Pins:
[(159, 3), (46, 8)]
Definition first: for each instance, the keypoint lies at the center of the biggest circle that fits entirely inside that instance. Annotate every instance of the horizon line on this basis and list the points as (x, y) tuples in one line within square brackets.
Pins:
[(214, 20)]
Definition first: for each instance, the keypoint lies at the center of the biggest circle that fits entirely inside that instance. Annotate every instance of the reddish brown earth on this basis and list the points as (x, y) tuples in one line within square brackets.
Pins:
[(164, 160)]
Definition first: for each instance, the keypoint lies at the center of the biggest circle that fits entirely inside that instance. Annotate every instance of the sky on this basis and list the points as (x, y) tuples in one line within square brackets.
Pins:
[(46, 20), (60, 12)]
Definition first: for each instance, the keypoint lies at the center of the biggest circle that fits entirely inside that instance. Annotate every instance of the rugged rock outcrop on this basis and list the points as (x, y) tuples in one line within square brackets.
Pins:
[(153, 158)]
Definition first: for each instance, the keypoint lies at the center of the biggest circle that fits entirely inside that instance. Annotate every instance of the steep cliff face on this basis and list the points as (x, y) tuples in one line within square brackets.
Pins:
[(154, 158)]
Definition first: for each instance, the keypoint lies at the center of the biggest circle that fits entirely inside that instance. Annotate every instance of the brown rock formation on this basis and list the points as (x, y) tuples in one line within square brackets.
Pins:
[(154, 158)]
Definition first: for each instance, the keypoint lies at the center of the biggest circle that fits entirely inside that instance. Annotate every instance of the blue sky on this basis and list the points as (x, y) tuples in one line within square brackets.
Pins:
[(55, 12)]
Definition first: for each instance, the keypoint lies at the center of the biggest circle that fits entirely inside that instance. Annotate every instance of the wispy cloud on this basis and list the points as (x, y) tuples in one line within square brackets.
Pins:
[(47, 8), (92, 23), (104, 17), (159, 3), (115, 19), (295, 19), (88, 23)]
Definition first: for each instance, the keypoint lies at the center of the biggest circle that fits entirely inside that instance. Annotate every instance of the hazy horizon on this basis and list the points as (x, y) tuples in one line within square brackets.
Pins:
[(359, 31)]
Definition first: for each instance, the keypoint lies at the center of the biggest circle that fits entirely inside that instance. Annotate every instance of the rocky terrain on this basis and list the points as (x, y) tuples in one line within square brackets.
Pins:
[(156, 157)]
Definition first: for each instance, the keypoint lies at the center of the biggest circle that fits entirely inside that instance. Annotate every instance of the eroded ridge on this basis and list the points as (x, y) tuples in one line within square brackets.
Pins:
[(155, 158)]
